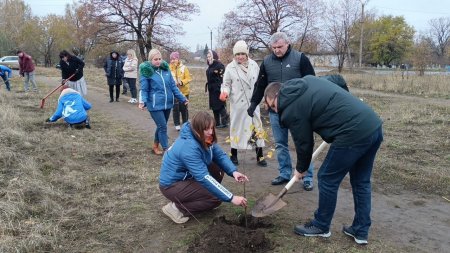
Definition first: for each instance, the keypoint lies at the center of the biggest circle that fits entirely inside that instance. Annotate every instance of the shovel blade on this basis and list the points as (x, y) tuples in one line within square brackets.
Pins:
[(267, 205)]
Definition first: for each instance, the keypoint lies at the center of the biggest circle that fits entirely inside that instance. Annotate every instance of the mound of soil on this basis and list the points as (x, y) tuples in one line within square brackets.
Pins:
[(244, 235)]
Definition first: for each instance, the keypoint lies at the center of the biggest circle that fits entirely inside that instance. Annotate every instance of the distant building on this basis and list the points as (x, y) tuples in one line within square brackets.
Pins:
[(323, 60), (198, 56)]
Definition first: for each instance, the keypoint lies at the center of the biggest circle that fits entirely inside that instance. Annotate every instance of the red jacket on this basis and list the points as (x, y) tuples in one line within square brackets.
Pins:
[(25, 64)]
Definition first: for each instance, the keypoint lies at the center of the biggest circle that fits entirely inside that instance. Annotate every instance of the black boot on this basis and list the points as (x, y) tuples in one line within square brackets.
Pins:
[(233, 157), (260, 158)]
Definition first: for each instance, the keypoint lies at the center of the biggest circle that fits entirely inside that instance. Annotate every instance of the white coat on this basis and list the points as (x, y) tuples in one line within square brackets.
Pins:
[(130, 67), (239, 87)]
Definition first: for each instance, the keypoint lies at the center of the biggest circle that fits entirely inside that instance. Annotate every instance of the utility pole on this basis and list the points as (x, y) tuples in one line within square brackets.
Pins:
[(210, 30), (362, 32)]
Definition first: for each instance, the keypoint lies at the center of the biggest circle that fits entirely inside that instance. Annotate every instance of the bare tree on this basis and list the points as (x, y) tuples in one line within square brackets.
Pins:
[(421, 56), (153, 22), (340, 18), (440, 35), (85, 28), (255, 20)]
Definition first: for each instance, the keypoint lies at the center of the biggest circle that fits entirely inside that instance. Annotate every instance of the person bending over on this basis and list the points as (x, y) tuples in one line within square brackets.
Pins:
[(72, 107)]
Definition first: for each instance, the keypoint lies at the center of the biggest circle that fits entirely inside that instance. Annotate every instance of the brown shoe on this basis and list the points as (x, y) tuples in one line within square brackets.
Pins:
[(156, 149)]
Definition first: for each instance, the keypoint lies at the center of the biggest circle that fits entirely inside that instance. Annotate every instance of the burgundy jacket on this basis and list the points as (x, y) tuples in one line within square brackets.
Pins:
[(25, 64)]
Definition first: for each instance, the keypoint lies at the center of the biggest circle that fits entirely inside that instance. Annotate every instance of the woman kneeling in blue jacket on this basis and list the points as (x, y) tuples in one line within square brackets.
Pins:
[(192, 170), (72, 107)]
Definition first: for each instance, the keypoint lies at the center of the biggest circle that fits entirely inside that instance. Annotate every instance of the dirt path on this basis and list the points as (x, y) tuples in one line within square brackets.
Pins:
[(403, 219)]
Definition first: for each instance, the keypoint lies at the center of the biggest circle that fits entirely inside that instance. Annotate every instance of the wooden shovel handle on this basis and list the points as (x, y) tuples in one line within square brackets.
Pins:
[(294, 179)]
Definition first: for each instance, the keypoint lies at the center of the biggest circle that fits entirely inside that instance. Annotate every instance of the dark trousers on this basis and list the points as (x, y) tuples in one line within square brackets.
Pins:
[(111, 91), (180, 108), (221, 116), (357, 160), (6, 82), (132, 85), (191, 197), (125, 85), (259, 153)]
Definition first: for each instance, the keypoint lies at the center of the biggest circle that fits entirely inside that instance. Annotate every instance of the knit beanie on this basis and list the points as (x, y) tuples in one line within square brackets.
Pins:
[(175, 55), (66, 90), (240, 47)]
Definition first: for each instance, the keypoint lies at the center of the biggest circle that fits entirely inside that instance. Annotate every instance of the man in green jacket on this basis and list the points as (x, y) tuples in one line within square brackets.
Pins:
[(312, 104)]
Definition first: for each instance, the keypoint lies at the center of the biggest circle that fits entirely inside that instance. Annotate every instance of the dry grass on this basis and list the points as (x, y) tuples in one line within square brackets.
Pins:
[(424, 86), (63, 190), (70, 190)]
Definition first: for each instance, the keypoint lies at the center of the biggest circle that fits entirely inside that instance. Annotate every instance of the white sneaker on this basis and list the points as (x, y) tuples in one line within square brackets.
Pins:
[(173, 213), (177, 128), (130, 101), (134, 101)]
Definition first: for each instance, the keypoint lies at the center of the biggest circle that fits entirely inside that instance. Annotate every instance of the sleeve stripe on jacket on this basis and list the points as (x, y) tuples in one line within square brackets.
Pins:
[(219, 187)]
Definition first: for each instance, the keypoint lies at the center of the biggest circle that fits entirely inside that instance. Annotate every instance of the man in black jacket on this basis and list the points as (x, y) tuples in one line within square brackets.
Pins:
[(312, 104), (282, 65)]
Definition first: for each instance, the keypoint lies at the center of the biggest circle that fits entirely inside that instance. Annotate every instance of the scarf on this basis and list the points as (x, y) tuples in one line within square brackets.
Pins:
[(244, 66)]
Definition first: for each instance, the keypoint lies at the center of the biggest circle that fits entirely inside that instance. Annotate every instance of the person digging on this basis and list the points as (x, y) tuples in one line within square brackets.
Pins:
[(72, 107)]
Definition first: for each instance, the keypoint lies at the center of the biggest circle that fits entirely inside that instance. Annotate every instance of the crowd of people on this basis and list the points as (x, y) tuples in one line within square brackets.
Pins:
[(194, 165)]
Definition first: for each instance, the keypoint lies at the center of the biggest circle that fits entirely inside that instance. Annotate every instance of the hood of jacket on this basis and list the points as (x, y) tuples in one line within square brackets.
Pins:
[(295, 88), (24, 55), (147, 69), (68, 91), (289, 92), (114, 59)]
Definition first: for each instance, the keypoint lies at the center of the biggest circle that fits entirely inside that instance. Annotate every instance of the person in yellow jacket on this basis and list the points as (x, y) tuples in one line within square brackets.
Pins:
[(182, 78)]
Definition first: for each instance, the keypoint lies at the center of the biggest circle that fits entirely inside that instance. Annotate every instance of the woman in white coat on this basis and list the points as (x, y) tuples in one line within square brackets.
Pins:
[(130, 67), (238, 82)]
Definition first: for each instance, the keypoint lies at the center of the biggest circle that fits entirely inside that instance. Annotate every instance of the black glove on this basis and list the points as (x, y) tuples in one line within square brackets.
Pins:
[(251, 109)]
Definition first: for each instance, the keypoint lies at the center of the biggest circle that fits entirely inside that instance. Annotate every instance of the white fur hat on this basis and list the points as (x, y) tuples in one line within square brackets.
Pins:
[(240, 47)]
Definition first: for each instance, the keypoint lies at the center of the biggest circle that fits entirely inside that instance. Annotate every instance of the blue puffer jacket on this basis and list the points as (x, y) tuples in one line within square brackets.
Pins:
[(72, 107), (6, 72), (187, 159), (158, 88)]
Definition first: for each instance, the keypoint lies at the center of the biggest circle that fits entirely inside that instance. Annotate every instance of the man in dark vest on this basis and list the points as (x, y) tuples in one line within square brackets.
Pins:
[(285, 63), (312, 104)]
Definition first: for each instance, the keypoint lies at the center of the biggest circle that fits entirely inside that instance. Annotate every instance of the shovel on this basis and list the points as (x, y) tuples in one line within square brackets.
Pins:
[(271, 203)]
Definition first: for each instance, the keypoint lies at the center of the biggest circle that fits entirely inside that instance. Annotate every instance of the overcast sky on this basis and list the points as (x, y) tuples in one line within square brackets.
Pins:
[(416, 12)]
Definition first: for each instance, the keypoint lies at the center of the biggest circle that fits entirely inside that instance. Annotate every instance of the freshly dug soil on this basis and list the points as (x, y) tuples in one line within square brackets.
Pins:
[(228, 236)]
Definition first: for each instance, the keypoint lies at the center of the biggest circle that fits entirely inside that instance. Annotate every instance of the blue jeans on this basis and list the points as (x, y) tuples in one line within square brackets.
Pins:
[(160, 118), (6, 82), (357, 160), (281, 135)]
